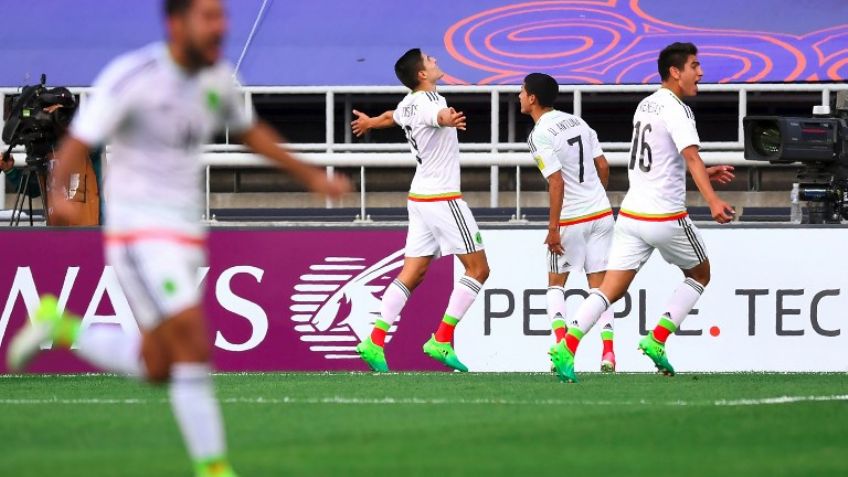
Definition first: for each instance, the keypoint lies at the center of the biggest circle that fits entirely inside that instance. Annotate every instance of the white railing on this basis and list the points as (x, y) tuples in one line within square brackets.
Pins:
[(494, 154)]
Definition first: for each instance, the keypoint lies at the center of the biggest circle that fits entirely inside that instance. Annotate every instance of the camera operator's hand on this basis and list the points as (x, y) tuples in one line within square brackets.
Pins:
[(721, 174), (8, 162)]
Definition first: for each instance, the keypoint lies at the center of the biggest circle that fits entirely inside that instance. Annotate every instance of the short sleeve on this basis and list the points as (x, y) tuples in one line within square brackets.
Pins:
[(597, 151), (542, 149), (429, 108), (109, 104), (235, 110), (680, 123)]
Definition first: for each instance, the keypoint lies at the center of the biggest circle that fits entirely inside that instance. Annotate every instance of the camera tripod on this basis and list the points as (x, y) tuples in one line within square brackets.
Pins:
[(35, 170)]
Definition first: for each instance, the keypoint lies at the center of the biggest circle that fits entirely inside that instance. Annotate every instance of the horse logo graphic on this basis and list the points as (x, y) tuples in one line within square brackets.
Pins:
[(335, 304)]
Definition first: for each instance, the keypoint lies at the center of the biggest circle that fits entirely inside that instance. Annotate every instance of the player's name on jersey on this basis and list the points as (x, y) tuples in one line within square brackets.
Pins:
[(409, 111), (651, 107), (566, 123)]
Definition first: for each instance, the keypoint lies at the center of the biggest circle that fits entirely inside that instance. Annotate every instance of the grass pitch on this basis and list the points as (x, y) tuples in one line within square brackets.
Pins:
[(439, 425)]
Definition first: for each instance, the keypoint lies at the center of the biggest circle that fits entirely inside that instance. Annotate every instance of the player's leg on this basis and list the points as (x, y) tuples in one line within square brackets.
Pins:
[(556, 300), (680, 244), (107, 347), (597, 260), (629, 251), (421, 248), (457, 233), (372, 349)]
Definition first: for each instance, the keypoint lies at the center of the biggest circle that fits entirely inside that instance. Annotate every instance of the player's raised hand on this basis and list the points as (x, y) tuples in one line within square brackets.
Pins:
[(554, 242), (361, 124), (721, 174), (456, 119), (721, 211)]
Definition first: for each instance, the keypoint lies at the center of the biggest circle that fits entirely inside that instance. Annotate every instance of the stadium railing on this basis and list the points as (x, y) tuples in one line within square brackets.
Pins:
[(494, 154)]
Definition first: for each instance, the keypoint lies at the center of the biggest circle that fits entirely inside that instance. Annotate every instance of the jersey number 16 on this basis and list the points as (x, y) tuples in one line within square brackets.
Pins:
[(640, 149)]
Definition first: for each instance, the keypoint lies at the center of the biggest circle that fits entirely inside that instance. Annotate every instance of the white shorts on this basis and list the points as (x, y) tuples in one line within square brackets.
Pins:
[(439, 228), (678, 240), (586, 247), (157, 274)]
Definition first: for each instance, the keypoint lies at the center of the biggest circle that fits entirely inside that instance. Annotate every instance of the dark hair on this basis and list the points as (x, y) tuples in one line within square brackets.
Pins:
[(674, 55), (543, 87), (408, 66), (176, 7)]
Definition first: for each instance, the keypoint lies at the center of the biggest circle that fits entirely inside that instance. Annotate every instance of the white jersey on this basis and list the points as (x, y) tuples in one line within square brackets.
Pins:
[(662, 127), (156, 118), (436, 149), (563, 143)]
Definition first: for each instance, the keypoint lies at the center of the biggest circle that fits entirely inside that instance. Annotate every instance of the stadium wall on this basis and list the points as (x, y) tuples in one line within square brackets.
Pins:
[(300, 299)]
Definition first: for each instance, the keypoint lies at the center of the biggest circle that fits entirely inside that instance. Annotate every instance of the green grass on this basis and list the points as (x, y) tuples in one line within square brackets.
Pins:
[(438, 425)]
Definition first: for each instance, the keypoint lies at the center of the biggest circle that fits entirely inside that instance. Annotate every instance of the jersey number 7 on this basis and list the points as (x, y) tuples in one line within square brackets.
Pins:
[(579, 141), (408, 130), (645, 157)]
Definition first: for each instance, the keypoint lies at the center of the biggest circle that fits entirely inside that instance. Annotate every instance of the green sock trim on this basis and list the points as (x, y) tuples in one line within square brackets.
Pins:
[(67, 331), (450, 320), (203, 464), (382, 325), (667, 324), (557, 324), (575, 332), (606, 335)]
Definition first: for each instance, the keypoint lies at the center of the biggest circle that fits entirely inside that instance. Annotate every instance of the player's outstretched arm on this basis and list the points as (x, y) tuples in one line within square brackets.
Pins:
[(602, 166), (556, 191), (721, 211), (263, 140), (70, 154), (363, 123), (451, 118)]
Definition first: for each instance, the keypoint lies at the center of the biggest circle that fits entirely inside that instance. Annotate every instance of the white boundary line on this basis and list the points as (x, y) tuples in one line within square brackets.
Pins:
[(427, 402)]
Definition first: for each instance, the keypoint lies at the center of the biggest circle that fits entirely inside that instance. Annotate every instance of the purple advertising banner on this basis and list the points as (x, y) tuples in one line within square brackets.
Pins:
[(276, 300)]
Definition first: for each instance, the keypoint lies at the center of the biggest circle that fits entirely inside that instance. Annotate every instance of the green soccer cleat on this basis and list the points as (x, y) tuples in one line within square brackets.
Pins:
[(26, 345), (443, 353), (373, 355), (214, 469), (656, 351), (563, 362)]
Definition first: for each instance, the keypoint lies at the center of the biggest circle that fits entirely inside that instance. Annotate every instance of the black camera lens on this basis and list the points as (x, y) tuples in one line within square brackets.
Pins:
[(765, 137)]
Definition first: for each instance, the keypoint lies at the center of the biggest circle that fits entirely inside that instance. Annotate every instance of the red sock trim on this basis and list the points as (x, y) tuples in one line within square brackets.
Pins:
[(661, 333), (378, 336), (571, 343), (607, 346), (559, 333), (445, 332)]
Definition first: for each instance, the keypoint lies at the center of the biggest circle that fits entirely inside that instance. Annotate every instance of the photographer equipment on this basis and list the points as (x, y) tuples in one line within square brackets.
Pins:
[(819, 143), (38, 118)]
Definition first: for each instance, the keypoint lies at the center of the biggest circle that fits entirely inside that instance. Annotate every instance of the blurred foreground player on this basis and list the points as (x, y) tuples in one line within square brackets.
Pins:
[(580, 224), (653, 213), (158, 105), (440, 222)]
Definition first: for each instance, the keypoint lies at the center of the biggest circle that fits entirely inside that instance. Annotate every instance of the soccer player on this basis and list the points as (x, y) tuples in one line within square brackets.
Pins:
[(653, 214), (158, 106), (580, 223), (440, 222)]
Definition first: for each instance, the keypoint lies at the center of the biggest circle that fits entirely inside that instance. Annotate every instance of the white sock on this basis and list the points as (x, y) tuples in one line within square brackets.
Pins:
[(463, 295), (196, 410), (605, 322), (590, 310), (110, 349), (683, 300), (394, 299), (556, 305)]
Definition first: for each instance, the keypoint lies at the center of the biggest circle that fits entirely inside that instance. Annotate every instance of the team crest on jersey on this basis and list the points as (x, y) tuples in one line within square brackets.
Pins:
[(336, 302)]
